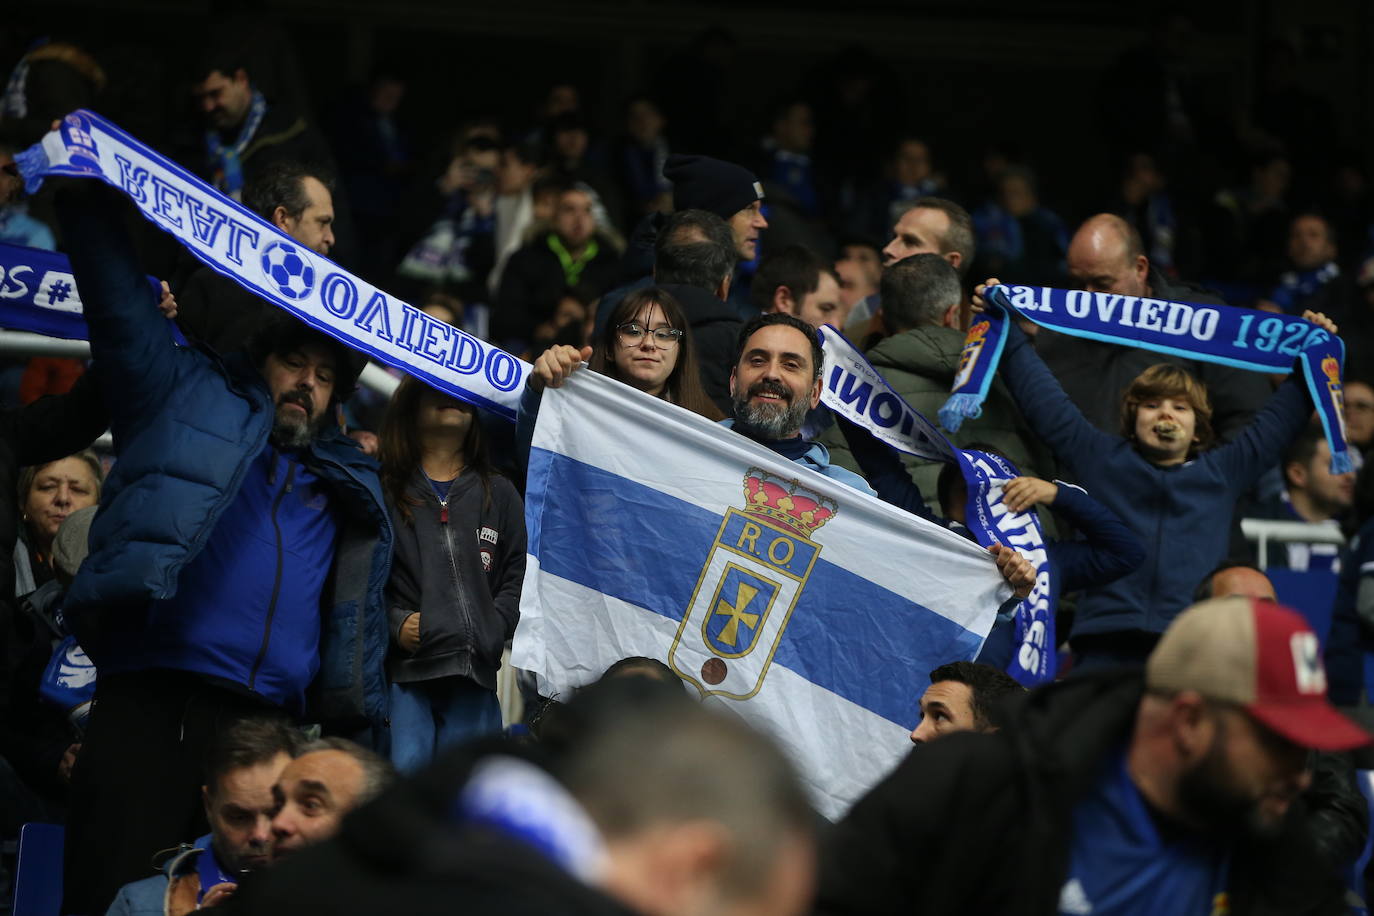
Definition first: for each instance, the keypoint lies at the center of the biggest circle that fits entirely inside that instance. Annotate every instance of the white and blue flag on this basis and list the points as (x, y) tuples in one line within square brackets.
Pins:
[(813, 610)]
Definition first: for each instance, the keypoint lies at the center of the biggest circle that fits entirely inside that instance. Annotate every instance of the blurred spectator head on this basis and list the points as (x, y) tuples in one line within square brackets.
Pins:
[(562, 98), (1236, 579), (418, 413), (574, 216), (647, 344), (441, 305), (793, 126), (330, 778), (11, 184), (49, 493), (699, 813), (695, 248), (644, 121), (1270, 174), (1107, 255), (921, 290), (858, 268), (723, 188), (1311, 241), (1166, 415), (639, 666), (568, 139), (1313, 491), (1141, 178), (306, 373), (518, 169), (242, 765), (933, 225), (799, 282), (1359, 412), (911, 162), (223, 88), (1016, 192), (1235, 700), (298, 199), (385, 93), (777, 376), (963, 696)]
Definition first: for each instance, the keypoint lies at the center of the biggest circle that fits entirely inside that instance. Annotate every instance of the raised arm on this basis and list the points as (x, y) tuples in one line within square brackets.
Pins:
[(134, 355), (1052, 415)]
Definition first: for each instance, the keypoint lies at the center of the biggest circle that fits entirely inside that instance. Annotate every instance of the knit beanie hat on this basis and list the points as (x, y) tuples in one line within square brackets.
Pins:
[(703, 183)]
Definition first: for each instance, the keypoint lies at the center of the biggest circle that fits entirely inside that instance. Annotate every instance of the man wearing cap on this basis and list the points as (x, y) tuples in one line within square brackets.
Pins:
[(1182, 791), (237, 561), (699, 183)]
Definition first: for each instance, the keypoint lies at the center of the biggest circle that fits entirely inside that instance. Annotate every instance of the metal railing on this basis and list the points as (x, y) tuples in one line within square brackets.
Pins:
[(1263, 530)]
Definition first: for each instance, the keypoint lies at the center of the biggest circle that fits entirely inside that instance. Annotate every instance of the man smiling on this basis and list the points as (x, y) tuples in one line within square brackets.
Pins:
[(776, 380)]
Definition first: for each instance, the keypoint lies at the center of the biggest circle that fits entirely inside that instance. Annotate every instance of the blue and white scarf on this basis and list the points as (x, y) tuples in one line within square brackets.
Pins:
[(272, 265), (854, 389), (226, 158), (38, 293), (1241, 338)]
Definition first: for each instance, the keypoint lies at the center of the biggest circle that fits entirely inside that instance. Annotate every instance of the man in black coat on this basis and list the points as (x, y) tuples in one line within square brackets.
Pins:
[(1186, 792)]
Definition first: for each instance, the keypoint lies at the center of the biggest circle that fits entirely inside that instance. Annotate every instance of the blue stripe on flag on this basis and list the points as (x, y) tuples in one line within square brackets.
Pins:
[(848, 635)]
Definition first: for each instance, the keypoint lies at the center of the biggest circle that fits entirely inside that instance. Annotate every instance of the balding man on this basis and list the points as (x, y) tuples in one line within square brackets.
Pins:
[(1236, 579), (1107, 255)]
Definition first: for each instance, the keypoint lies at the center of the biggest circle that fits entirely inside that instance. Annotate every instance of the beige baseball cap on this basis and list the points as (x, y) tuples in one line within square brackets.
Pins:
[(1258, 655)]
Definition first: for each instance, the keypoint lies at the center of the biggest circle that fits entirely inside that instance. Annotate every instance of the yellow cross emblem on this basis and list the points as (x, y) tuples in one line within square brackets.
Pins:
[(743, 596)]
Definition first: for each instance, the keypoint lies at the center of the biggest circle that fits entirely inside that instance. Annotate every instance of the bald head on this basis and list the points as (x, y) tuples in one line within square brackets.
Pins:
[(1106, 255), (1243, 581)]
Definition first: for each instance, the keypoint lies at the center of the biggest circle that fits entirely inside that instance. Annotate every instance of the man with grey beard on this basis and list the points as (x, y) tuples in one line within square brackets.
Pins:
[(775, 381)]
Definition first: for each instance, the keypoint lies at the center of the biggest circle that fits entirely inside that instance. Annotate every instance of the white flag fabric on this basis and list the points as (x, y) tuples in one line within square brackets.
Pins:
[(813, 610)]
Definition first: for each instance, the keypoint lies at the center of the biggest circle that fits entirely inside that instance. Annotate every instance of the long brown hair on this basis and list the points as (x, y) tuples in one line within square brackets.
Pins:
[(399, 449), (683, 386)]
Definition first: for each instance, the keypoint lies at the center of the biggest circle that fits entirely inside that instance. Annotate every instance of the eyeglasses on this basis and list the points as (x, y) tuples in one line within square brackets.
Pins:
[(631, 333)]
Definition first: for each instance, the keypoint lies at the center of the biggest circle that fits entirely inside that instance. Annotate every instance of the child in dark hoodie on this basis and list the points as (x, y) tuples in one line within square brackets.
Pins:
[(459, 560)]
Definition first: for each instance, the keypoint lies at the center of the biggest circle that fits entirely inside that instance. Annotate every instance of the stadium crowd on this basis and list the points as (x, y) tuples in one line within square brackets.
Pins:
[(274, 616)]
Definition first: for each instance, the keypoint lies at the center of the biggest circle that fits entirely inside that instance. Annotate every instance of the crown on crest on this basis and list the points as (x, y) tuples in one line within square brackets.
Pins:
[(786, 502), (979, 330), (1332, 367)]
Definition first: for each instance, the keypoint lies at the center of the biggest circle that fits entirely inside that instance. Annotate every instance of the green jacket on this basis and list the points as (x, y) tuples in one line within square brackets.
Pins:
[(920, 365)]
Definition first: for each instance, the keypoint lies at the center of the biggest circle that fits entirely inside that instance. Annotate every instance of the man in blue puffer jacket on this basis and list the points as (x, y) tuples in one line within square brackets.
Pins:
[(236, 566)]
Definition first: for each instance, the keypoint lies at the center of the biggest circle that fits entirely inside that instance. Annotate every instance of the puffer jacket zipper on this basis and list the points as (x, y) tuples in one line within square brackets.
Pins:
[(287, 487)]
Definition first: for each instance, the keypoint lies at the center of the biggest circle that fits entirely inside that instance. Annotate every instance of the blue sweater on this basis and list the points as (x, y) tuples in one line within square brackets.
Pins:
[(1182, 514)]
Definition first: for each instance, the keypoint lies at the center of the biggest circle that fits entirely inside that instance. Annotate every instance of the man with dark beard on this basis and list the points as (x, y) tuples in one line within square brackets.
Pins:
[(775, 381), (1185, 791), (238, 557)]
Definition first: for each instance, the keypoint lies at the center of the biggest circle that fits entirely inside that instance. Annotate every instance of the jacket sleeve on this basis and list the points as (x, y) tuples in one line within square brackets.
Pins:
[(1237, 396), (1052, 415), (526, 415), (1108, 551), (1001, 642), (58, 425), (135, 355), (885, 472), (509, 567), (1260, 445)]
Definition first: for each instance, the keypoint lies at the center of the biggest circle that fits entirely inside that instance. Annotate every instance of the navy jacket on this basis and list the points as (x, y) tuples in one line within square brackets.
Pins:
[(187, 426), (1182, 514)]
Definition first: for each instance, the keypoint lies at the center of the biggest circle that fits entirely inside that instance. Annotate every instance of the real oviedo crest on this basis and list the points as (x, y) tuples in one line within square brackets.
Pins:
[(749, 586)]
